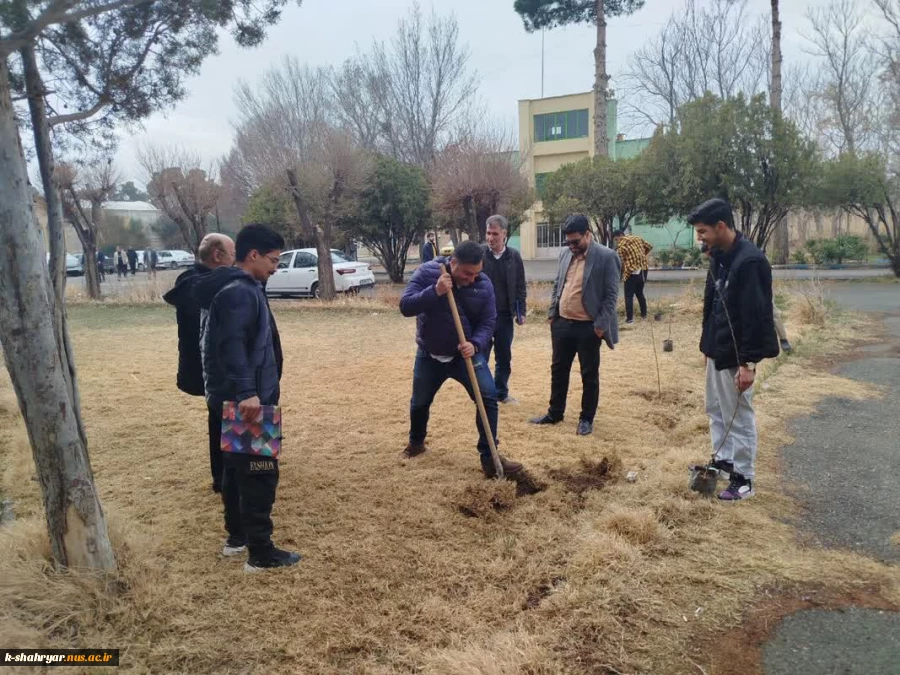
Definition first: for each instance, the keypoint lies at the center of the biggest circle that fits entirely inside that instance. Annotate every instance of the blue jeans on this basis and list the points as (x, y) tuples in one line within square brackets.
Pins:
[(429, 376), (502, 346)]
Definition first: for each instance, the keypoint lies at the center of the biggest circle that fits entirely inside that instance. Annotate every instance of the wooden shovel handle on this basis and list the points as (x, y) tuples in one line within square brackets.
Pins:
[(479, 401)]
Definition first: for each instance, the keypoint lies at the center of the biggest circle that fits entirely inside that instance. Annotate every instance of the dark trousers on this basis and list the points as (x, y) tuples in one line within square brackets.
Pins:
[(570, 338), (502, 347), (634, 285), (122, 270), (133, 265), (248, 493), (215, 447), (430, 374)]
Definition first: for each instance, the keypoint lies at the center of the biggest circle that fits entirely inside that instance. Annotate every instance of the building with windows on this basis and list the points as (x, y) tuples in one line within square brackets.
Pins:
[(559, 130)]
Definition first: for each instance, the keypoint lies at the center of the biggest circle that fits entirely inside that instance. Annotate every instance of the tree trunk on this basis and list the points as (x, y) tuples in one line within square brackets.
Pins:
[(91, 271), (782, 232), (775, 93), (601, 86), (75, 520), (55, 232), (326, 289)]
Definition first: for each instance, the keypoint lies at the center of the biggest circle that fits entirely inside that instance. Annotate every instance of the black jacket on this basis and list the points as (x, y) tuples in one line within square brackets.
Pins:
[(515, 277), (742, 279), (237, 338), (187, 314)]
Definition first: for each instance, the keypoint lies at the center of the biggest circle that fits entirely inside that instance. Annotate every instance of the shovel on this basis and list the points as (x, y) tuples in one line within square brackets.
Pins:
[(498, 467)]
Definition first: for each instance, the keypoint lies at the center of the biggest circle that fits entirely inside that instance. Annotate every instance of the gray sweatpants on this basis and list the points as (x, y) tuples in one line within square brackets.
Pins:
[(721, 399)]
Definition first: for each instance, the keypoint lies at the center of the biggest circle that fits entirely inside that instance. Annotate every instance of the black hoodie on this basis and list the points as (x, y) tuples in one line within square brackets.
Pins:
[(237, 338), (738, 298), (187, 314)]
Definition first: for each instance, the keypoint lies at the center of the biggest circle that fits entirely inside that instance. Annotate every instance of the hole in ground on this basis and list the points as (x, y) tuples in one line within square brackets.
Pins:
[(589, 475)]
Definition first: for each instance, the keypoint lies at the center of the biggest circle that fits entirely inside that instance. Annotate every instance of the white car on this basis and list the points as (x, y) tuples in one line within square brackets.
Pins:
[(298, 274), (174, 259)]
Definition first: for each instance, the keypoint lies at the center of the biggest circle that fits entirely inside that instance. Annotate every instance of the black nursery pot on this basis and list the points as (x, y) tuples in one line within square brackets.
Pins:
[(668, 346)]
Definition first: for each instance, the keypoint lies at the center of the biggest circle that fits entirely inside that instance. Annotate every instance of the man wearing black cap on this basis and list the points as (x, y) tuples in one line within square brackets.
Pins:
[(582, 314)]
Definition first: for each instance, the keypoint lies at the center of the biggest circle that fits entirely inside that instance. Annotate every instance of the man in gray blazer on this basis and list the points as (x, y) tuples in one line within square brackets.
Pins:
[(582, 314)]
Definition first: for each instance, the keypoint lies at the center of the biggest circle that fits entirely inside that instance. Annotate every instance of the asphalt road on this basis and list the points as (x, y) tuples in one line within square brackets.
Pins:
[(843, 468)]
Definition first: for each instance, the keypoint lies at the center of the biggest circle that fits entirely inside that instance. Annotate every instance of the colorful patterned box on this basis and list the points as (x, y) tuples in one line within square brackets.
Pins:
[(261, 438)]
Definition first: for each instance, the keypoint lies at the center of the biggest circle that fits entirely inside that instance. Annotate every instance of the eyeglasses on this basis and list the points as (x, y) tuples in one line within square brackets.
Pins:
[(574, 243), (274, 259)]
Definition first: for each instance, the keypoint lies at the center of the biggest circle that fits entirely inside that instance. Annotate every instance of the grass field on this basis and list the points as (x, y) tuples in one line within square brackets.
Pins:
[(588, 576)]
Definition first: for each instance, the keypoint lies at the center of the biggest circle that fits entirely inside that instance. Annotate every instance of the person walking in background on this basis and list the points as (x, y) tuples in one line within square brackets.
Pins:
[(439, 356), (633, 252), (738, 333), (150, 260), (215, 251), (241, 364), (429, 250), (101, 266), (504, 267), (121, 260), (132, 260), (582, 315)]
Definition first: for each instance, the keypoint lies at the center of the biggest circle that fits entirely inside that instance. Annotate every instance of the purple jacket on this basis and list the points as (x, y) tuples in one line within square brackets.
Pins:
[(435, 330)]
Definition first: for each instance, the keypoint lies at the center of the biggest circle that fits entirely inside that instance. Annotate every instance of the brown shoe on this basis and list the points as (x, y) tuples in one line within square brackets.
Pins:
[(412, 450), (509, 467)]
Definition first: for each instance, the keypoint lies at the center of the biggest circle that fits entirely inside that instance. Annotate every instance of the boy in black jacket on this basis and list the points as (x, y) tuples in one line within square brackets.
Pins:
[(241, 364), (738, 333)]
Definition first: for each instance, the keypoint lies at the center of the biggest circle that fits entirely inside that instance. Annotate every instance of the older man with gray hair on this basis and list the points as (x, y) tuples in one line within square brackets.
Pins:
[(216, 250), (504, 267)]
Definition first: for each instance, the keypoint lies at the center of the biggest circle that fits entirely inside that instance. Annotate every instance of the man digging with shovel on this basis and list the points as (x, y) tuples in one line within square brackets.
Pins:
[(440, 354)]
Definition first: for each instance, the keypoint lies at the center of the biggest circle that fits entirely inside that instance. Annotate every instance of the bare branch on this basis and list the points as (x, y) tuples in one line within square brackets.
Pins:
[(77, 117)]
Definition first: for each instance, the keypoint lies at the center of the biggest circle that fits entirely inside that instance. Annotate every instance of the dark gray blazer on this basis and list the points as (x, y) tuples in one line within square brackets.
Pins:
[(602, 272)]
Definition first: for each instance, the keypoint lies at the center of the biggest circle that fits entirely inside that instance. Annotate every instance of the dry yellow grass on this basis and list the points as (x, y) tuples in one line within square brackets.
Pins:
[(625, 579)]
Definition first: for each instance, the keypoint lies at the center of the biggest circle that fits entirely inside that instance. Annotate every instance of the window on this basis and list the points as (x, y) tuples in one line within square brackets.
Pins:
[(561, 125), (304, 259), (284, 261), (338, 257), (540, 181), (549, 236)]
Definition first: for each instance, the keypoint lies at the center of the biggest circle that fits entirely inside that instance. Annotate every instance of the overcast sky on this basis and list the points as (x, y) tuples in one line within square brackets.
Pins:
[(508, 60)]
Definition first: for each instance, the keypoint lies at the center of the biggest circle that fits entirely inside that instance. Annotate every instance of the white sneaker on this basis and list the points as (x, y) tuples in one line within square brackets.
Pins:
[(509, 400), (232, 551)]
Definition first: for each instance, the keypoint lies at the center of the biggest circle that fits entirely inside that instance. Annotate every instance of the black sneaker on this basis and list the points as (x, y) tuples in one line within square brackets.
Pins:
[(274, 559)]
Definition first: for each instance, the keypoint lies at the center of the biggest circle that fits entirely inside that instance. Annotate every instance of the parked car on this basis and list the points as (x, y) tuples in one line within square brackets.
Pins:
[(74, 264), (298, 274), (173, 259)]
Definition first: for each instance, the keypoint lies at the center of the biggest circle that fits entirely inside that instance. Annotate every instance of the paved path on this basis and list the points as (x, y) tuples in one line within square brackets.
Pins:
[(844, 463), (820, 642)]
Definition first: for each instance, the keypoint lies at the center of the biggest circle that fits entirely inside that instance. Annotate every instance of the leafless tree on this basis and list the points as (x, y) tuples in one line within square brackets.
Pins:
[(847, 88), (716, 48), (288, 136), (422, 86), (183, 188), (354, 90), (478, 176), (83, 193), (888, 49)]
